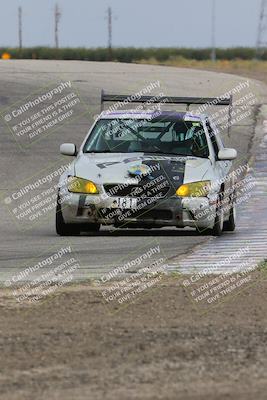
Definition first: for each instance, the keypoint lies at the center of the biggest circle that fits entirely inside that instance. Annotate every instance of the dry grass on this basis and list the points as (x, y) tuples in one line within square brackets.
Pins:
[(250, 68)]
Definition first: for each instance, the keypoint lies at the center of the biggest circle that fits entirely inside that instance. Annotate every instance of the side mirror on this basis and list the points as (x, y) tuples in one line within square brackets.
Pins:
[(68, 149), (227, 154)]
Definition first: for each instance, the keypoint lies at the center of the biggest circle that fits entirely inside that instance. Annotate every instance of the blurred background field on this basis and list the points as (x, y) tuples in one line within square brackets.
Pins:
[(240, 61), (170, 55)]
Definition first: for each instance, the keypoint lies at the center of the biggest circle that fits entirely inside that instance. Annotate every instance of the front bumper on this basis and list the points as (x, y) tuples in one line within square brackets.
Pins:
[(171, 211)]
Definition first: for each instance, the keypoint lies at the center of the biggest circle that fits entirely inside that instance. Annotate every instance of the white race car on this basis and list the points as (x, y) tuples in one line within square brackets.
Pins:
[(148, 169)]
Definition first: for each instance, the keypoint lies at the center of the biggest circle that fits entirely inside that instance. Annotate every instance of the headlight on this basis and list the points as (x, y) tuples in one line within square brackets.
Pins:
[(195, 189), (79, 185)]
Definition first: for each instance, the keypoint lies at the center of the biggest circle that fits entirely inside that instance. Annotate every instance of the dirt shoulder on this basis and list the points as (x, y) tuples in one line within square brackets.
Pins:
[(162, 346)]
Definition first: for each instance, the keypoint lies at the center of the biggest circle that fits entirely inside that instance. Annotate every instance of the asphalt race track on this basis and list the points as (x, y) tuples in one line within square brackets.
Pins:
[(24, 160)]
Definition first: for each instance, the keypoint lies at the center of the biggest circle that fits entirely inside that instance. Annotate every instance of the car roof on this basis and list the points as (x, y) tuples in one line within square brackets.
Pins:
[(144, 114)]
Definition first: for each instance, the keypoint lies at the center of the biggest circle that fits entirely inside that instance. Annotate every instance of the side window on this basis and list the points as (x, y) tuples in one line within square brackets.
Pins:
[(200, 146), (213, 140), (167, 137)]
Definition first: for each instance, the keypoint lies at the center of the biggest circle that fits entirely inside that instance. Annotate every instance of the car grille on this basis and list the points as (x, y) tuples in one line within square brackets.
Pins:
[(119, 190), (165, 215), (156, 214)]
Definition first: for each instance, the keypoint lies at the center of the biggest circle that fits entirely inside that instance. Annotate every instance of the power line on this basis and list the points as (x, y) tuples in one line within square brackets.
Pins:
[(110, 32), (213, 32), (57, 19), (262, 28), (20, 26)]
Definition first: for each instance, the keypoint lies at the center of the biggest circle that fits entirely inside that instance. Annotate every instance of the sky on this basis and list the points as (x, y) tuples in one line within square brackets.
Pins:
[(138, 23)]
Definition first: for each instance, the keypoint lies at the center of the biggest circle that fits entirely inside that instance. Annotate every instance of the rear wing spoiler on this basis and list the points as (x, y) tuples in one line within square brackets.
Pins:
[(188, 101)]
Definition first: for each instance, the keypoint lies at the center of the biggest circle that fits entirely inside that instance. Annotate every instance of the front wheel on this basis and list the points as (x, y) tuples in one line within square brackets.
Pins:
[(217, 229), (62, 228), (230, 225)]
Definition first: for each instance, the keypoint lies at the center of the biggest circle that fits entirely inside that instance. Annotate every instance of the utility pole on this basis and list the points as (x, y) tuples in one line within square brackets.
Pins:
[(262, 28), (213, 32), (57, 19), (20, 26), (110, 32)]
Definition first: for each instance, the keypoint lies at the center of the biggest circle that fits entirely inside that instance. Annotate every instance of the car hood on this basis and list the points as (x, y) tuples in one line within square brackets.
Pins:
[(119, 168)]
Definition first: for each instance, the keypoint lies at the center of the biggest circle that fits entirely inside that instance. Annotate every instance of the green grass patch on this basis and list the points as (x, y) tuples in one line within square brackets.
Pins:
[(263, 266)]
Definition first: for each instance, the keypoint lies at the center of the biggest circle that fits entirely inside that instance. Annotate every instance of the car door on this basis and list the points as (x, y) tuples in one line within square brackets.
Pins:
[(222, 167)]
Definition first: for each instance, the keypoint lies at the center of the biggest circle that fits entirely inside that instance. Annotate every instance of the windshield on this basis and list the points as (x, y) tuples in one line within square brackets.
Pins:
[(150, 136)]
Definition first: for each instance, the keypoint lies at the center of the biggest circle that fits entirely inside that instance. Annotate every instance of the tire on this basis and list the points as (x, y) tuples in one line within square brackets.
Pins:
[(62, 228), (230, 225), (217, 229)]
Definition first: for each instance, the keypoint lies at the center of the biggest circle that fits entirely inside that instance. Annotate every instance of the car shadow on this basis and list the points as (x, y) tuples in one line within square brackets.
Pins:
[(142, 232)]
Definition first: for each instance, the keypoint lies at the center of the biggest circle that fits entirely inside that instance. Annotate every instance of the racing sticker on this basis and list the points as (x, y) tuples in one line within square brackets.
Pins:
[(167, 175), (155, 182)]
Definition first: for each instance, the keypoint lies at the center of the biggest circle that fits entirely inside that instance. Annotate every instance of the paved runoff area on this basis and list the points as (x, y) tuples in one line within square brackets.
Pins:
[(46, 103)]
